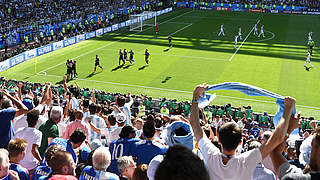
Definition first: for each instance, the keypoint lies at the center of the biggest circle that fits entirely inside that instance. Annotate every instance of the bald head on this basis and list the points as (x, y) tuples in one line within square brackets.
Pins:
[(4, 163), (101, 158)]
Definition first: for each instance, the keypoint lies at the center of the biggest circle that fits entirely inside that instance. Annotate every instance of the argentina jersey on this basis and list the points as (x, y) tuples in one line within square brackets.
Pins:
[(118, 148), (89, 173), (146, 150), (99, 123)]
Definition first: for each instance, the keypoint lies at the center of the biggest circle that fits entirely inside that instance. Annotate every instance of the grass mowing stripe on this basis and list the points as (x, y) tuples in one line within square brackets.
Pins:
[(180, 91), (243, 42)]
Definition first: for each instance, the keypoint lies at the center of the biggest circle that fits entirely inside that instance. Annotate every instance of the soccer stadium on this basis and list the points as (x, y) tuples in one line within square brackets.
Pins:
[(159, 89)]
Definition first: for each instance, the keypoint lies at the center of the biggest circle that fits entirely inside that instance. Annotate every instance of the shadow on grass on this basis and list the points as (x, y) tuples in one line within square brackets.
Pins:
[(117, 68), (142, 67), (166, 50), (167, 79), (127, 66), (93, 73)]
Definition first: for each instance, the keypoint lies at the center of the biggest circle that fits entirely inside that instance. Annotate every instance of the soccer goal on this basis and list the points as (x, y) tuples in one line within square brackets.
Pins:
[(138, 21)]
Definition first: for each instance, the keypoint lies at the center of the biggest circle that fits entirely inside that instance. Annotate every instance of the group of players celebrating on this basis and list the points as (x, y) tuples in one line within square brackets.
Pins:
[(123, 56), (71, 69)]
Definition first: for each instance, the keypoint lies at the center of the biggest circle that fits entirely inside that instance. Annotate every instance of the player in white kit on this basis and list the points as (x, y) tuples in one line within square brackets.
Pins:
[(309, 36), (255, 32), (239, 33), (221, 30), (261, 32), (308, 60), (235, 41)]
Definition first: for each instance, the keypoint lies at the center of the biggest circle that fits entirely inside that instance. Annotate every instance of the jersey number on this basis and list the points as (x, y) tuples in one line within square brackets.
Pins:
[(115, 154)]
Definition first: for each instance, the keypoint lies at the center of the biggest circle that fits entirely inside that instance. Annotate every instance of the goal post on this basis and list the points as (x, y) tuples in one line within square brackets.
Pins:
[(138, 21)]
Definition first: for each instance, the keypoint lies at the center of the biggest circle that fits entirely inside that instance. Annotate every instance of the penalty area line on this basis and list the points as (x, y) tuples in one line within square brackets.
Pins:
[(243, 41), (181, 29)]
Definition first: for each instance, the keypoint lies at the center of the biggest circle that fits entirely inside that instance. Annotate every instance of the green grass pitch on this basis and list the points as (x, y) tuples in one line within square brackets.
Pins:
[(198, 55)]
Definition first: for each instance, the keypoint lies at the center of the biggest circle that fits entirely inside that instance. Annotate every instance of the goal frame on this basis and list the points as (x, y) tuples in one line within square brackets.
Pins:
[(142, 20)]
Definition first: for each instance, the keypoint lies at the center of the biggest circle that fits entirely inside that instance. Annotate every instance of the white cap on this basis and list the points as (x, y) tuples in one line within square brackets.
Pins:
[(120, 117), (153, 165)]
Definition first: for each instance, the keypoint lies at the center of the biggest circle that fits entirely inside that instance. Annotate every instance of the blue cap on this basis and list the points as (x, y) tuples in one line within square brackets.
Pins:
[(28, 103), (85, 151)]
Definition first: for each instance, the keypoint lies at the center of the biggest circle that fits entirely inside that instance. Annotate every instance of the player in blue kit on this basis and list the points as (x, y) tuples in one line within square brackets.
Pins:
[(147, 149), (124, 146)]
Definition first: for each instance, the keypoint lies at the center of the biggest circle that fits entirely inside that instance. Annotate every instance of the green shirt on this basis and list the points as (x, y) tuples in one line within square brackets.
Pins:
[(249, 113), (49, 129), (162, 104), (213, 110), (186, 108), (60, 90), (220, 112), (264, 119), (239, 114), (147, 103), (229, 109)]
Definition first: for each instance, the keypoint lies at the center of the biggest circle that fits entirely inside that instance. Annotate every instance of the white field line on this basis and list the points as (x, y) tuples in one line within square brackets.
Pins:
[(263, 40), (113, 42), (173, 55), (181, 29), (179, 91), (243, 41)]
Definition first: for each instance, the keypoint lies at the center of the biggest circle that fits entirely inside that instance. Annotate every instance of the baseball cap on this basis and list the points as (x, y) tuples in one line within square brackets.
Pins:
[(28, 103), (85, 151), (120, 118)]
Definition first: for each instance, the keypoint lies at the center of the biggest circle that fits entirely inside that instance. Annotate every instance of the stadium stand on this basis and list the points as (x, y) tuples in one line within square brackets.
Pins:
[(40, 98)]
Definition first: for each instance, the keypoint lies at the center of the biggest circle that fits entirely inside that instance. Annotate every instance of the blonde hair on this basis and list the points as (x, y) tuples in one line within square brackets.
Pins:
[(17, 146)]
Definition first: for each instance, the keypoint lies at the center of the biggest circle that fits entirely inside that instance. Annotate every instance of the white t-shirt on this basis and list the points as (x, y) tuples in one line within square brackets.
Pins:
[(126, 110), (33, 136), (21, 121), (238, 167), (114, 134)]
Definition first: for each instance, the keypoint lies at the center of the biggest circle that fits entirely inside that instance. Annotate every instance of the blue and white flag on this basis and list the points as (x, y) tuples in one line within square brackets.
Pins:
[(250, 91)]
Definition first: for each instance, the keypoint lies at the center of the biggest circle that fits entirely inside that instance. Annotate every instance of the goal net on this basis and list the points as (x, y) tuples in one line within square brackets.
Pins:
[(138, 21)]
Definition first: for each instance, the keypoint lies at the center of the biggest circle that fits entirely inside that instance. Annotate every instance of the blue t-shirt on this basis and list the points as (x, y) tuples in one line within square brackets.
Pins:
[(255, 132), (118, 148), (6, 129), (146, 150), (88, 173), (66, 145), (22, 172), (41, 171), (7, 177)]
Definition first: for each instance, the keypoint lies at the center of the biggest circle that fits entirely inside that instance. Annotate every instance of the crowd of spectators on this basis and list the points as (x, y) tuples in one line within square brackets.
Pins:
[(65, 132), (28, 24)]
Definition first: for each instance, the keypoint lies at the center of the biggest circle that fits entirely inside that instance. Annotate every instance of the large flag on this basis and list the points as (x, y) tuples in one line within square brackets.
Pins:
[(249, 90)]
